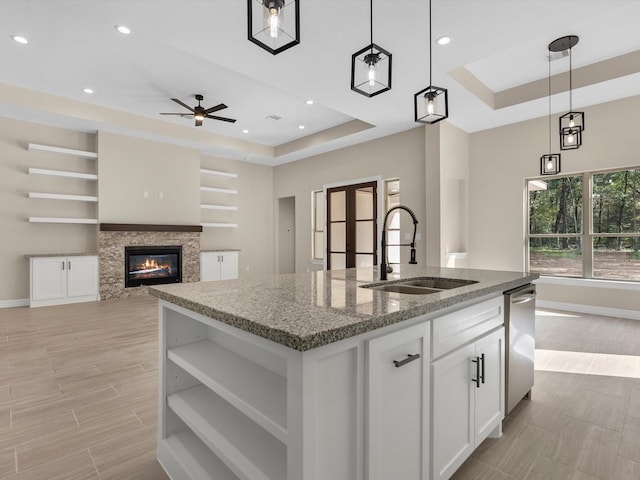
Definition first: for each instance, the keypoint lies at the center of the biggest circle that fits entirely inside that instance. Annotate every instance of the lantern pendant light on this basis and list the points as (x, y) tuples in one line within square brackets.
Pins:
[(571, 123), (550, 162), (371, 67), (274, 24), (431, 104)]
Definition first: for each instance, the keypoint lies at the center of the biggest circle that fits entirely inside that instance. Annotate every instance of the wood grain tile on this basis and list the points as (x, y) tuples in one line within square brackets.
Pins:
[(546, 469), (598, 408), (630, 441), (77, 466)]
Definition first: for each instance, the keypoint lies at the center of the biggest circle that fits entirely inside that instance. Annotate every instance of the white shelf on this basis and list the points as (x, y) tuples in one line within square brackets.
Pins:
[(63, 220), (217, 207), (218, 190), (58, 196), (195, 459), (246, 448), (243, 383), (66, 151), (204, 171), (60, 173), (219, 225)]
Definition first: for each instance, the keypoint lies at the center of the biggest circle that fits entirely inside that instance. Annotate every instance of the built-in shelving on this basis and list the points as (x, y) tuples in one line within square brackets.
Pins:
[(205, 171), (218, 190), (60, 173), (244, 383), (219, 225), (207, 206), (245, 447), (66, 151), (195, 458), (63, 220), (59, 196)]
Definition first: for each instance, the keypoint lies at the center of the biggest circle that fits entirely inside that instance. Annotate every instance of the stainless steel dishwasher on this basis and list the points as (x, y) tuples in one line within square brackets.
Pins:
[(520, 331)]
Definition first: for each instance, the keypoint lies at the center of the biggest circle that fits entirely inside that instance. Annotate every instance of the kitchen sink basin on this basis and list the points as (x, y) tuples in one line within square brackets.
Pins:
[(421, 286)]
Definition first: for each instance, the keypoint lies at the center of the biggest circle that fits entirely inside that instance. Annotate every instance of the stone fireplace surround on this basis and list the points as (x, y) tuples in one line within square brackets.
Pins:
[(113, 237)]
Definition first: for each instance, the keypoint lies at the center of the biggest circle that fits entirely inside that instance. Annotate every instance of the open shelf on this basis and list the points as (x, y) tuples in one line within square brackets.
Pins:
[(243, 383), (63, 220), (220, 225), (218, 190), (207, 206), (246, 448), (195, 459), (205, 171), (60, 173), (58, 196), (66, 151)]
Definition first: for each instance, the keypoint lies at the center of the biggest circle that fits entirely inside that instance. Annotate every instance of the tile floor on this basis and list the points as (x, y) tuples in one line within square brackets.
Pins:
[(78, 396)]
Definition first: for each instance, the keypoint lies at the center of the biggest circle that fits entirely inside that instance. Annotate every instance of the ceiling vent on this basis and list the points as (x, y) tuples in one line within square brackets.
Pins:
[(273, 117)]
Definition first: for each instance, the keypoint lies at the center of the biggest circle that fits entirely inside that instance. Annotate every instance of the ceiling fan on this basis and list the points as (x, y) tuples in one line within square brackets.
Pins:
[(199, 112)]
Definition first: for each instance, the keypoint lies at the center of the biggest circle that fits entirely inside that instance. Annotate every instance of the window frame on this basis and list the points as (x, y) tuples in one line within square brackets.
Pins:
[(314, 255), (586, 235)]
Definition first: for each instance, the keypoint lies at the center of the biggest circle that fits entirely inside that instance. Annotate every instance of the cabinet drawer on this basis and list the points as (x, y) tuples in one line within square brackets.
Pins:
[(458, 328)]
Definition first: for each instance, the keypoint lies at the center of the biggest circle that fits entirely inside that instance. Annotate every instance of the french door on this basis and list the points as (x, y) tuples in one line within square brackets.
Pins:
[(351, 226)]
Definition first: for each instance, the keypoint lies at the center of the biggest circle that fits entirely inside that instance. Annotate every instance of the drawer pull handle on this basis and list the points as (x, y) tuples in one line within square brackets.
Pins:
[(482, 369), (410, 358), (476, 380)]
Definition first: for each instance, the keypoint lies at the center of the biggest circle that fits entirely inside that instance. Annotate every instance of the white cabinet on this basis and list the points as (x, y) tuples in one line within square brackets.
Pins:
[(58, 280), (221, 265), (467, 390), (398, 409)]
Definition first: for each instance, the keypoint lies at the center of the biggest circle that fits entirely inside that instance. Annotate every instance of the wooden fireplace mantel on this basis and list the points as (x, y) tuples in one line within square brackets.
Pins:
[(133, 227)]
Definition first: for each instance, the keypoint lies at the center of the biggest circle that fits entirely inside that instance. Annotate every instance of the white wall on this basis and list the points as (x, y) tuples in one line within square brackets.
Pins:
[(501, 159)]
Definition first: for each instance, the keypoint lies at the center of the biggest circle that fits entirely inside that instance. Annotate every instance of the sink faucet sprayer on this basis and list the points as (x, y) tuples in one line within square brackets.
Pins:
[(384, 267)]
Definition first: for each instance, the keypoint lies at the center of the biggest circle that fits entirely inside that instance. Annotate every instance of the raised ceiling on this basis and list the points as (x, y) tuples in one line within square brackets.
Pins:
[(495, 67)]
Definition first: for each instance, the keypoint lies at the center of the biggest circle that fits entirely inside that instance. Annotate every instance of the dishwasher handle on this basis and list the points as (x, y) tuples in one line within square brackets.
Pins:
[(520, 299)]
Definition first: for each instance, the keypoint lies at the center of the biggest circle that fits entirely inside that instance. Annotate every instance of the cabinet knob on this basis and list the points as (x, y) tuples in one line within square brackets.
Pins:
[(410, 358)]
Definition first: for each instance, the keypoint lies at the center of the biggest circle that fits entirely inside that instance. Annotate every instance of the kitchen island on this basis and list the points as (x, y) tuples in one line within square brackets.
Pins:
[(316, 376)]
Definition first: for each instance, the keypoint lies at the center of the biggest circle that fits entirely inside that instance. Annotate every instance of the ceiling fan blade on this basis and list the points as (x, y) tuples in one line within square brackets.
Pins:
[(198, 123), (216, 108), (180, 114), (183, 104), (222, 119)]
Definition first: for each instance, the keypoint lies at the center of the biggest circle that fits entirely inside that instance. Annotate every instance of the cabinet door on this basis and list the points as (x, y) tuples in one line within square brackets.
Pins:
[(453, 416), (209, 266), (82, 276), (489, 398), (398, 405), (48, 278), (228, 265)]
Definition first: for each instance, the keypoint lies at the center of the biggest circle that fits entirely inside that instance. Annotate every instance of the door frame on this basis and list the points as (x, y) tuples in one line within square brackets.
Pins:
[(380, 213)]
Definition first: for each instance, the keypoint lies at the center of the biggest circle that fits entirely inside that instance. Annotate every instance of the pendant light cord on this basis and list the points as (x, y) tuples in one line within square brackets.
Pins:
[(549, 117), (430, 54), (570, 80), (371, 22)]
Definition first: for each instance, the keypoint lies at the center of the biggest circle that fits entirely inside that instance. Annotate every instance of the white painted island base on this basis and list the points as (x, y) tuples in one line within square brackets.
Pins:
[(233, 405)]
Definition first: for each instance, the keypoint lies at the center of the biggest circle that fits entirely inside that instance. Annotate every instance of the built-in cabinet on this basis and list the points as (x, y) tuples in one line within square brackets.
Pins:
[(58, 280), (218, 201), (376, 406), (467, 387), (219, 265)]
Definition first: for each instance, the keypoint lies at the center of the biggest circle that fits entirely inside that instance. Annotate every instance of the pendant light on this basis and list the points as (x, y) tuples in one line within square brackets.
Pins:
[(274, 24), (550, 162), (571, 123), (371, 67), (431, 104)]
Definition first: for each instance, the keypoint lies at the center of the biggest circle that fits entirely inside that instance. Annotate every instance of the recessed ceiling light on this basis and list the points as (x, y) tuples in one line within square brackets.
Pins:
[(20, 39), (301, 127), (245, 131), (122, 29), (443, 40), (87, 90), (309, 102)]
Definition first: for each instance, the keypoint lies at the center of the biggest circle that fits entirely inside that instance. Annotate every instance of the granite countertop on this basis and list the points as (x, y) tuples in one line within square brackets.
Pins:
[(307, 310), (39, 255)]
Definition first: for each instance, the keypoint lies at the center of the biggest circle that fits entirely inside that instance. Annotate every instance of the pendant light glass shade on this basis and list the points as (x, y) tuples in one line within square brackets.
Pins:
[(571, 123), (431, 104), (371, 66), (274, 24)]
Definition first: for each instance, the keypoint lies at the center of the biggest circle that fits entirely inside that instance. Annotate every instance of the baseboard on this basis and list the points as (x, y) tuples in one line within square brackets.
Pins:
[(592, 309), (21, 302)]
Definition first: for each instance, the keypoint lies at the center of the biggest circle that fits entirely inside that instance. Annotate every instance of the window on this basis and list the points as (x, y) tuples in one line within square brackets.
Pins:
[(586, 225), (317, 225)]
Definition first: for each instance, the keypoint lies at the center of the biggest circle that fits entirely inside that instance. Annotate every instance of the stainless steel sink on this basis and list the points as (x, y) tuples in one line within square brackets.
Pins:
[(421, 285)]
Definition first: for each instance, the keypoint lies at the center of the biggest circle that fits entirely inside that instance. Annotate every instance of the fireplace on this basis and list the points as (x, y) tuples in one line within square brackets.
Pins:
[(152, 265)]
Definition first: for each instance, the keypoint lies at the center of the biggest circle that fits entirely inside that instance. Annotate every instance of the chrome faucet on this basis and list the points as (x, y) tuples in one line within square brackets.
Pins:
[(384, 267)]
